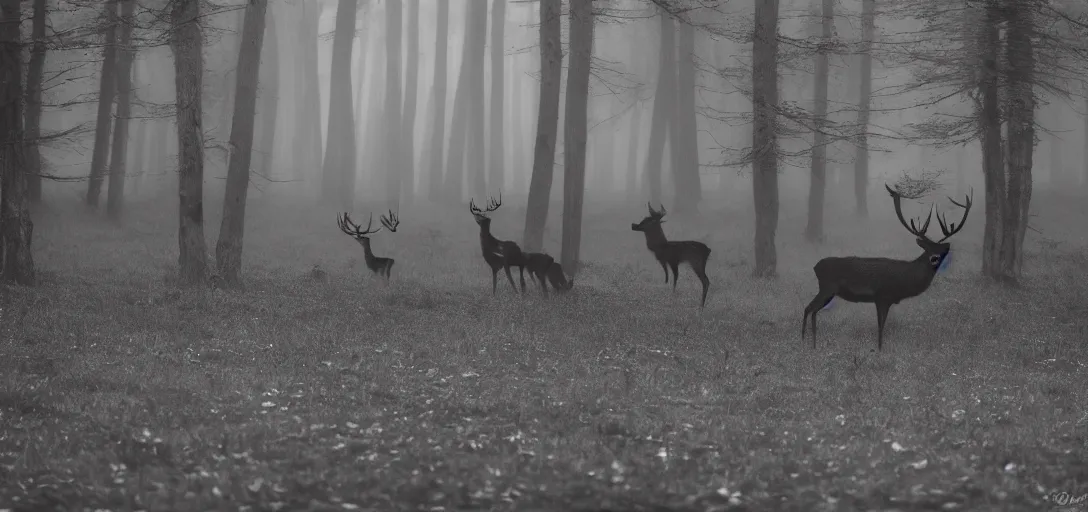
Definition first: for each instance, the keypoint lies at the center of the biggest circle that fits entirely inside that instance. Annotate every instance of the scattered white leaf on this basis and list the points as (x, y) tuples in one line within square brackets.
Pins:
[(268, 404), (897, 447), (920, 464), (256, 485), (470, 374)]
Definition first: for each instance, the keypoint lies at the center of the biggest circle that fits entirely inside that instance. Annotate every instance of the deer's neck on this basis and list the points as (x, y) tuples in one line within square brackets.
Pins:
[(923, 273), (655, 237), (368, 255)]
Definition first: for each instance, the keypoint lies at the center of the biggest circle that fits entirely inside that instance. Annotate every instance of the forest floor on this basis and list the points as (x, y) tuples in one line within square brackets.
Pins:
[(120, 392)]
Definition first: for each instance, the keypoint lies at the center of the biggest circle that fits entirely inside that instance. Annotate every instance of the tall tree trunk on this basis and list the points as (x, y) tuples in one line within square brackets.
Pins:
[(814, 231), (1084, 156), (16, 227), (688, 184), (362, 34), (498, 53), (517, 131), (34, 75), (547, 126), (411, 99), (764, 138), (664, 101), (438, 95), (477, 47), (115, 194), (993, 153), (231, 42), (188, 82), (228, 250), (455, 156), (393, 129), (307, 153), (338, 180), (269, 86), (574, 133), (1020, 112), (865, 98), (107, 87), (632, 149)]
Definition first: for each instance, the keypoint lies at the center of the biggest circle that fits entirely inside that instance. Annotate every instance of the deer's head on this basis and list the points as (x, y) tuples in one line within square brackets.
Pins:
[(935, 251), (481, 215), (653, 219)]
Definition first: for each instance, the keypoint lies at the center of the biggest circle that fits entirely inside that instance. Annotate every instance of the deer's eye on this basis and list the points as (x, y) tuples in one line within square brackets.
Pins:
[(934, 259)]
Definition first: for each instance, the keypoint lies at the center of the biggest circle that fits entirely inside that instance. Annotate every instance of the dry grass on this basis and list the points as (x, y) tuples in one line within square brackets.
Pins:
[(117, 391)]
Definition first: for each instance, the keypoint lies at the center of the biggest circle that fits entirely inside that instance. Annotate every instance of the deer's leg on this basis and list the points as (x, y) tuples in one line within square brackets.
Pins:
[(666, 269), (675, 270), (521, 276), (494, 279), (881, 317), (510, 277), (818, 302), (389, 269)]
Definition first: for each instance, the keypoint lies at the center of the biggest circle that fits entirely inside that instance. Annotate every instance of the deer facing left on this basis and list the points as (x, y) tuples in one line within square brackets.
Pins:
[(499, 254), (376, 264), (671, 254)]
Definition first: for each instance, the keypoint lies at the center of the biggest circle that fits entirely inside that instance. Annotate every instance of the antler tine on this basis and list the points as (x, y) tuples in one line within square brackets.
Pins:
[(662, 210), (472, 206), (896, 201), (391, 222), (346, 225), (952, 229), (492, 204), (650, 208)]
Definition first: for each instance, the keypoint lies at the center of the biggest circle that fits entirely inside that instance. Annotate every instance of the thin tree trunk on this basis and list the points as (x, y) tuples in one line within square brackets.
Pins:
[(455, 157), (1084, 156), (498, 53), (115, 194), (438, 93), (865, 98), (764, 138), (632, 150), (34, 75), (338, 180), (393, 129), (547, 126), (688, 191), (517, 132), (477, 47), (107, 87), (188, 81), (814, 231), (1020, 109), (362, 33), (664, 101), (228, 250), (269, 87), (411, 100), (574, 133), (993, 154), (309, 133), (16, 227)]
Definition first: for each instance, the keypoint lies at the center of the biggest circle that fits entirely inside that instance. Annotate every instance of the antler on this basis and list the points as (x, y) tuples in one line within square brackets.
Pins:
[(353, 229), (658, 213), (391, 222), (918, 232), (492, 205), (952, 229)]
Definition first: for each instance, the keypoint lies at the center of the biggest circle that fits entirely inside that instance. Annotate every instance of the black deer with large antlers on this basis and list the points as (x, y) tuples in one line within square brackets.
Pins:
[(884, 281), (377, 264), (671, 254), (499, 254)]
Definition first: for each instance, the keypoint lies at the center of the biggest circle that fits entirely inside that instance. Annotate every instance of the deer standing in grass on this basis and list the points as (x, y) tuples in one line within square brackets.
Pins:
[(671, 254), (544, 269), (499, 254), (376, 264), (883, 281)]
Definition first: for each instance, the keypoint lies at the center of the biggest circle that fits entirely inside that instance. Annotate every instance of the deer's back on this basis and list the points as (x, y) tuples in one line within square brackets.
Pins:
[(681, 251), (860, 279)]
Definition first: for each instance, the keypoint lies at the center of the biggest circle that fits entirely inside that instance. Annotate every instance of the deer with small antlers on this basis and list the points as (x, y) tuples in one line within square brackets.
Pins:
[(671, 254), (884, 281), (499, 254), (376, 264)]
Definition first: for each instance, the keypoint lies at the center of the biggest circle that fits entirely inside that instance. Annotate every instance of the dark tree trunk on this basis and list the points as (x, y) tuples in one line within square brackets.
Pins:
[(764, 138), (338, 180), (547, 126), (16, 227), (498, 53), (393, 129), (34, 75), (517, 131), (1020, 111), (269, 89), (188, 83), (228, 250), (574, 132), (411, 99), (664, 104), (477, 48), (865, 98), (993, 153), (438, 95), (115, 194), (814, 231), (688, 184), (107, 88)]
